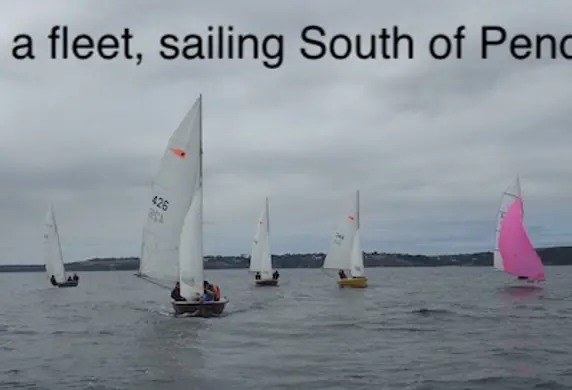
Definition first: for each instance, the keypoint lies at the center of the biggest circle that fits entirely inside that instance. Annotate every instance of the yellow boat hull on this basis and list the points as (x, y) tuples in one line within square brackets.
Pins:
[(359, 282)]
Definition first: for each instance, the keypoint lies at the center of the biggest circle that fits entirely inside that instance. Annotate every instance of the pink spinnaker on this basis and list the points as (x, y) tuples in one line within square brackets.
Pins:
[(518, 254)]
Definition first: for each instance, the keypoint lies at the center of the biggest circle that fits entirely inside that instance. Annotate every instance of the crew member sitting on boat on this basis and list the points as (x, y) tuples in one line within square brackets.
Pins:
[(75, 277), (275, 275), (53, 280), (257, 276), (211, 292), (69, 279), (342, 274), (176, 293), (522, 277)]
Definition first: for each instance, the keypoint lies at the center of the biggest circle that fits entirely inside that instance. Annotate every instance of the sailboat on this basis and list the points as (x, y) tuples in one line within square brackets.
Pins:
[(260, 257), (53, 256), (514, 253), (345, 250), (172, 243)]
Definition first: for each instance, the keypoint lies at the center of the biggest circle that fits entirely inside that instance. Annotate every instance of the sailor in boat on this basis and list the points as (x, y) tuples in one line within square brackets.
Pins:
[(176, 293), (53, 280), (211, 292), (275, 275), (342, 274), (69, 278), (257, 276), (75, 277)]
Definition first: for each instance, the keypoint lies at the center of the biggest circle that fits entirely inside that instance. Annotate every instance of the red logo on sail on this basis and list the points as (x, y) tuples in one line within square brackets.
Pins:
[(179, 152), (350, 217)]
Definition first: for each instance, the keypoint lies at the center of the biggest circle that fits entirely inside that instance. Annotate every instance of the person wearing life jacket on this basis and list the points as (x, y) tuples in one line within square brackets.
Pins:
[(211, 292), (75, 277), (208, 293), (53, 280), (257, 276), (216, 290), (176, 293), (342, 274)]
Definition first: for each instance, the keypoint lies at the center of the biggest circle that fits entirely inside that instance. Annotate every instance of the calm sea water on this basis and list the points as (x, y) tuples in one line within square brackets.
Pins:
[(416, 328)]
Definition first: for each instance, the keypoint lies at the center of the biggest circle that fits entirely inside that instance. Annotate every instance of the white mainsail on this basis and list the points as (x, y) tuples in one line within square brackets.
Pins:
[(513, 191), (260, 257), (345, 248), (53, 256), (172, 192)]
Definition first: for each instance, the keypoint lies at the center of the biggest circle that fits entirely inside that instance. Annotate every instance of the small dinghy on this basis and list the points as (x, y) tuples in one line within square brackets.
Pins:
[(53, 256), (514, 253)]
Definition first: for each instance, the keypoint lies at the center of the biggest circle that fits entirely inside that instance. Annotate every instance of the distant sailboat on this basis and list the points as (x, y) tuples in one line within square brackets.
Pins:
[(172, 244), (260, 257), (53, 256), (345, 250), (514, 253)]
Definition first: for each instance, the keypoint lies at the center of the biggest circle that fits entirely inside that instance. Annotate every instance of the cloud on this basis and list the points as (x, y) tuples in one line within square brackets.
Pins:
[(430, 144)]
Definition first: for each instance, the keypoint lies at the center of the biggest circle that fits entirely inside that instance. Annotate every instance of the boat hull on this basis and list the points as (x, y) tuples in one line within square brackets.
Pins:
[(525, 284), (200, 309), (72, 283), (266, 283), (357, 282)]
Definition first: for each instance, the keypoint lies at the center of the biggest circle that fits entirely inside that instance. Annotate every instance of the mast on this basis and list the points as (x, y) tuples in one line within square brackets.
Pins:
[(201, 162), (201, 139), (267, 216), (519, 195), (357, 212), (57, 233)]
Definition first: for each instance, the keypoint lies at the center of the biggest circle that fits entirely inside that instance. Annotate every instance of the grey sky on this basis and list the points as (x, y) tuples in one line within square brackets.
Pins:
[(430, 144)]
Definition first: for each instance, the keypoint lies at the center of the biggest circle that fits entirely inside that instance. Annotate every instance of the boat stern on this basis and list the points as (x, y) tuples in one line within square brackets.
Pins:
[(266, 283), (200, 309), (355, 282)]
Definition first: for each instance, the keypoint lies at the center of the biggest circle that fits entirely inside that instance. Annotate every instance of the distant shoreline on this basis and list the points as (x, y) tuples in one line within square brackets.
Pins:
[(560, 255)]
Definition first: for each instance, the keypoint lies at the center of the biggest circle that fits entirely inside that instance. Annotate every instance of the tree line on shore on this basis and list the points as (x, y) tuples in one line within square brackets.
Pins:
[(550, 256)]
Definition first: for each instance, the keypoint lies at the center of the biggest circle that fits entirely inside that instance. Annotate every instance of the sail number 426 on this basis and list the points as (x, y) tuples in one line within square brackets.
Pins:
[(161, 203)]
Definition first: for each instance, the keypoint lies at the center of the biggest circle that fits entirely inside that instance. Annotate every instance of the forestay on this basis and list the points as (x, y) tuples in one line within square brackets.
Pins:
[(171, 194), (53, 256), (260, 257), (345, 247), (509, 195)]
